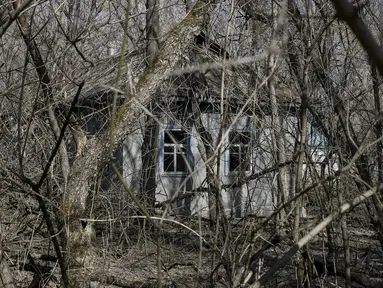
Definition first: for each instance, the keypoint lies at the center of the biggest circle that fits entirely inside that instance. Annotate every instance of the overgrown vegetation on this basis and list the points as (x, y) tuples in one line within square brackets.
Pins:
[(191, 143)]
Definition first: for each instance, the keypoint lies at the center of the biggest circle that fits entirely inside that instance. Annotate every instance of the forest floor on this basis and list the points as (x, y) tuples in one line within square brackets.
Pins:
[(130, 258), (183, 265)]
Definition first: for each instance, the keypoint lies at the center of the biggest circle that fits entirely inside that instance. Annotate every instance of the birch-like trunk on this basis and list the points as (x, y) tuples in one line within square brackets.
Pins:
[(276, 133)]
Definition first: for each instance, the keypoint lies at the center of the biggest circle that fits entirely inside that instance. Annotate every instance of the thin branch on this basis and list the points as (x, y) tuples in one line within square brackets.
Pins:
[(14, 16), (60, 138), (314, 232), (45, 81), (20, 110), (349, 13)]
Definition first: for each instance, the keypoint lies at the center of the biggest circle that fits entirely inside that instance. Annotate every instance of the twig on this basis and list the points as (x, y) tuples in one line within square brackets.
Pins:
[(349, 13), (314, 232), (61, 137), (14, 16)]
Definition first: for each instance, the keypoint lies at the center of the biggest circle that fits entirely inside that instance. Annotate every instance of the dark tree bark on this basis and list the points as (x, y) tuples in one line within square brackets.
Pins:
[(150, 141), (350, 14)]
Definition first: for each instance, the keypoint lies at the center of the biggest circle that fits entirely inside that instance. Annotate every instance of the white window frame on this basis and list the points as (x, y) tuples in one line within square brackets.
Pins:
[(176, 150), (240, 147)]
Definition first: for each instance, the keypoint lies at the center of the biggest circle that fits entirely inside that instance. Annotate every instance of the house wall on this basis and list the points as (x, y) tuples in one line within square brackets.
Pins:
[(254, 197), (132, 159)]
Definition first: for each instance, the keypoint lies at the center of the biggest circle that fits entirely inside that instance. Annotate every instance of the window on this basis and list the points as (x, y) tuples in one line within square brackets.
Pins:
[(175, 151), (239, 151), (316, 138)]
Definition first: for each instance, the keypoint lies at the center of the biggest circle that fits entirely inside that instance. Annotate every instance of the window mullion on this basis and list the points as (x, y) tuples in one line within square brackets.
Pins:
[(175, 158), (241, 158), (175, 146)]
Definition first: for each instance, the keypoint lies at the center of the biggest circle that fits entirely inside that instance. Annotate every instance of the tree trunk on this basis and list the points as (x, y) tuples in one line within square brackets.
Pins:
[(303, 79), (98, 152), (348, 129), (150, 141), (276, 133)]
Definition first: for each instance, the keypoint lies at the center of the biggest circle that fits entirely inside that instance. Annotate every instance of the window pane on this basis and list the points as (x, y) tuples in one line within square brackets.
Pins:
[(239, 150), (169, 162), (175, 142), (236, 137), (178, 136), (234, 149), (169, 149), (234, 161), (168, 139), (316, 137), (181, 165)]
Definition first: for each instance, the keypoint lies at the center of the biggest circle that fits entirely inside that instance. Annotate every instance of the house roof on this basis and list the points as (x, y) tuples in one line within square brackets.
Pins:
[(205, 84)]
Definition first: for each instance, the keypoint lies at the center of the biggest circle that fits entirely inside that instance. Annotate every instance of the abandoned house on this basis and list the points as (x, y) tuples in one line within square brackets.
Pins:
[(200, 131)]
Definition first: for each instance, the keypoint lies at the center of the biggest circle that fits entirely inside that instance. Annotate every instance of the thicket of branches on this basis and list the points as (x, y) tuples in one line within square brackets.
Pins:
[(79, 77)]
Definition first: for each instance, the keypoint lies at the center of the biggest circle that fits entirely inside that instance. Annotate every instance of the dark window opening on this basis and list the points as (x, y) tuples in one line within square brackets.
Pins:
[(175, 155), (239, 151)]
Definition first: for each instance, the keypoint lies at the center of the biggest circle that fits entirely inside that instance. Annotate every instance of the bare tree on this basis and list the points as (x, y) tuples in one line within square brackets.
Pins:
[(76, 250), (149, 159), (265, 130)]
